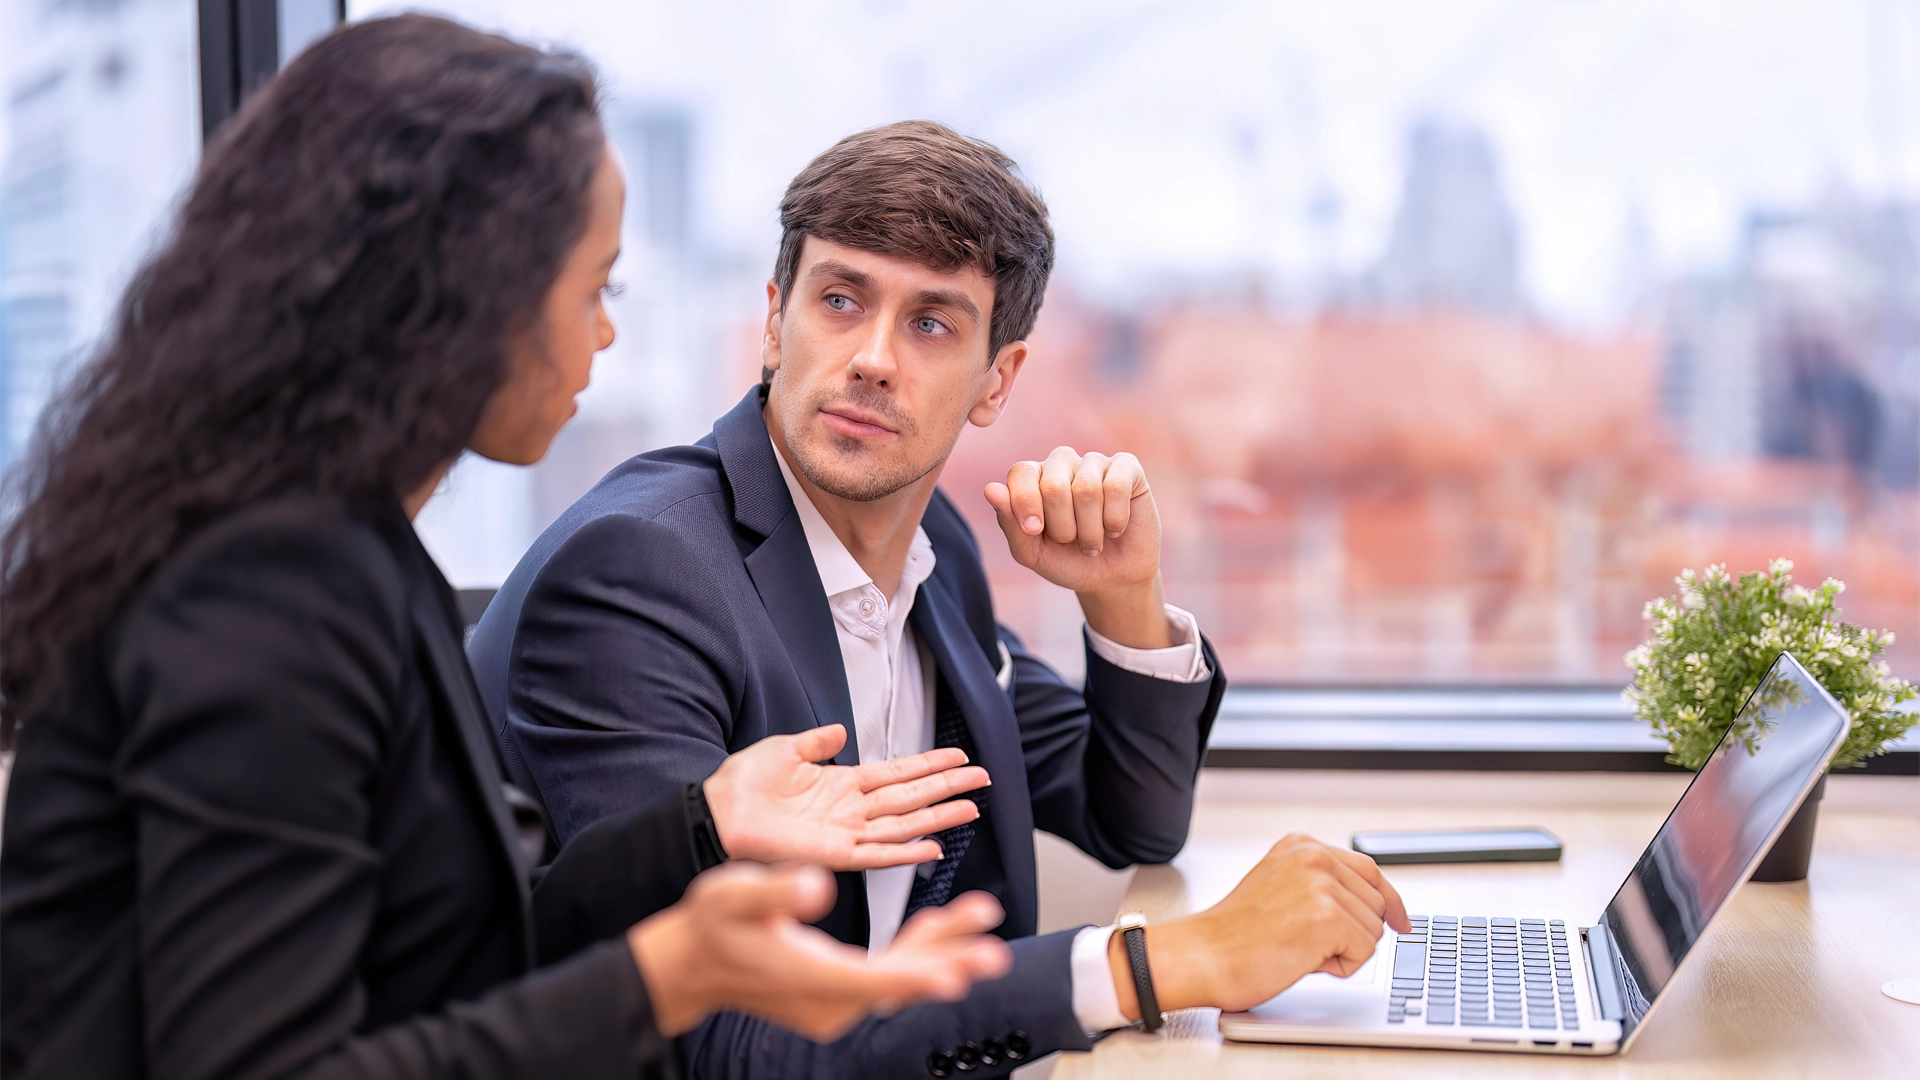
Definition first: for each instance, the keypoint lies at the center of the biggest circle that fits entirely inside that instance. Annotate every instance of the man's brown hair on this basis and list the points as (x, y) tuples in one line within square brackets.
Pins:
[(921, 191)]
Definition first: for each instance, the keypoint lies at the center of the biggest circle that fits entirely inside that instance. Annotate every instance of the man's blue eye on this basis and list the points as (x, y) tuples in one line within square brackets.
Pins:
[(838, 302), (931, 326)]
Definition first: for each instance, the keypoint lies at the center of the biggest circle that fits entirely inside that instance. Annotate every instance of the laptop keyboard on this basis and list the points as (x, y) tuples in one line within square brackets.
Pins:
[(1480, 972)]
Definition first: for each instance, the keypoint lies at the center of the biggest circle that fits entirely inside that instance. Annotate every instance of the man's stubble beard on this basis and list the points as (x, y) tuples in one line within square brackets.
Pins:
[(870, 488)]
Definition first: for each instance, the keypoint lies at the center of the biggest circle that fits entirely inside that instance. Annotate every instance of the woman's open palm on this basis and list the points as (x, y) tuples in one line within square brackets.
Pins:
[(774, 802)]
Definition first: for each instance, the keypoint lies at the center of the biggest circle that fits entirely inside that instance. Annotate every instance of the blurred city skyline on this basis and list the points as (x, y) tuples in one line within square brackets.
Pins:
[(1448, 332), (1180, 141)]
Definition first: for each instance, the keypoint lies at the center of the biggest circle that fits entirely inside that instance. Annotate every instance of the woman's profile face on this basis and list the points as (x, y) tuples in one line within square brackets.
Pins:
[(550, 365)]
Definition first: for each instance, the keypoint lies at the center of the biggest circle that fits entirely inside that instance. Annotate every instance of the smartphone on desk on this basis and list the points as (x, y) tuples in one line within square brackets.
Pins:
[(1459, 845)]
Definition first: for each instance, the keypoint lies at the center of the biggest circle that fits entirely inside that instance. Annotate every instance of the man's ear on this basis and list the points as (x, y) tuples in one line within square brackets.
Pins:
[(770, 333), (993, 396)]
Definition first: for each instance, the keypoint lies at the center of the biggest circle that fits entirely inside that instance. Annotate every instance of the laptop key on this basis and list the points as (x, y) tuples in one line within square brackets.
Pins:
[(1409, 961)]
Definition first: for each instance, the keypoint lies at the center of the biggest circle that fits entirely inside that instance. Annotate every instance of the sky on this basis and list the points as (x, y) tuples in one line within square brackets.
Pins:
[(1198, 138)]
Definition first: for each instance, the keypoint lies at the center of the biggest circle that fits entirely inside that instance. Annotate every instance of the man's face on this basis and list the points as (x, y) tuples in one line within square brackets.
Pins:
[(878, 362)]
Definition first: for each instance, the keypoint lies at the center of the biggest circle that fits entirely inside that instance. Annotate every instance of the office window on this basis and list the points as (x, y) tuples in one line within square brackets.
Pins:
[(98, 133), (1448, 332)]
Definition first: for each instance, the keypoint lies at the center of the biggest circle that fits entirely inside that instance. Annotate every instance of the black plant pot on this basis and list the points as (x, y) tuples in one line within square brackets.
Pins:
[(1787, 861)]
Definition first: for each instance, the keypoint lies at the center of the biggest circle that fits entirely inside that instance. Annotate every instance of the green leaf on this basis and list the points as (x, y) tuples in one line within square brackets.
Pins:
[(1709, 646)]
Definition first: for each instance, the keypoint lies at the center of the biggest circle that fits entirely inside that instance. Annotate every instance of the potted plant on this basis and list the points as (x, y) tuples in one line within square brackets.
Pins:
[(1709, 647)]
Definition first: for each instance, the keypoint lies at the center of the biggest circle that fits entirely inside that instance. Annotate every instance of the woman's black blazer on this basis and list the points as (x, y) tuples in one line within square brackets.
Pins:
[(267, 836)]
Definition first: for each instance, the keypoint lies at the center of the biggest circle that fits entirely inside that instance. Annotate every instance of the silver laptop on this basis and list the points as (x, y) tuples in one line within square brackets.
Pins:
[(1544, 985)]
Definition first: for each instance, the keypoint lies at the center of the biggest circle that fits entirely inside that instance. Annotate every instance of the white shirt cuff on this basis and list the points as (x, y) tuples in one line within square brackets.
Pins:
[(1184, 662), (1095, 1003)]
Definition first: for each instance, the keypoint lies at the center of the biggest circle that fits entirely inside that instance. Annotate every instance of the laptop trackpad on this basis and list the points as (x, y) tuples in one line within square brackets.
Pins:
[(1323, 1000)]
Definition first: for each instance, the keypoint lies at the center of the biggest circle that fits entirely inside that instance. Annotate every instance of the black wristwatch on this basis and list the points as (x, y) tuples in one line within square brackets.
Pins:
[(1133, 934)]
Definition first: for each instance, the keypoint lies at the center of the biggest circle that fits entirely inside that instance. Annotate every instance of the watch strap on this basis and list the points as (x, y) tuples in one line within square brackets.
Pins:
[(708, 851), (1135, 939)]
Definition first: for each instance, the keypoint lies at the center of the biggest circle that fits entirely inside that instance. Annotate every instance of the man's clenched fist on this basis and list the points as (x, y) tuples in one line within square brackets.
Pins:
[(1082, 521)]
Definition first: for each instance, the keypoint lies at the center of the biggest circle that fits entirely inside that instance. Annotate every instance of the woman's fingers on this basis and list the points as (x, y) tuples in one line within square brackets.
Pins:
[(913, 794), (952, 938), (968, 913), (899, 828), (879, 856), (878, 774), (813, 744), (940, 972), (828, 986), (893, 841), (761, 958), (739, 890)]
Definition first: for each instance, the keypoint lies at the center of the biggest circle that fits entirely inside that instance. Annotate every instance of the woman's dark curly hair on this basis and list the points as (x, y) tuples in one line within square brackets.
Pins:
[(328, 314)]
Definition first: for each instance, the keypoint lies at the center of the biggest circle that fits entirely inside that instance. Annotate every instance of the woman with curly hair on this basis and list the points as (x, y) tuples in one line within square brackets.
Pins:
[(256, 825)]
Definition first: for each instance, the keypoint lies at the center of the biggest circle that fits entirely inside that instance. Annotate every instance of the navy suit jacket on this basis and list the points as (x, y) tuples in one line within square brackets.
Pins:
[(674, 615)]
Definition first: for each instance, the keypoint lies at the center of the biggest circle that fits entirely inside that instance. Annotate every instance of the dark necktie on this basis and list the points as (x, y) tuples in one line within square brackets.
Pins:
[(933, 885)]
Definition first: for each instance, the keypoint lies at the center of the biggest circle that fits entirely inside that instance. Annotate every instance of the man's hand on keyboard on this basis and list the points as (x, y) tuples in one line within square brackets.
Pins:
[(1306, 907)]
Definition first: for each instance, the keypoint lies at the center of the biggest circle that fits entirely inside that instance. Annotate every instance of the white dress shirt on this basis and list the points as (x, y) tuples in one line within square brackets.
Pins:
[(890, 684)]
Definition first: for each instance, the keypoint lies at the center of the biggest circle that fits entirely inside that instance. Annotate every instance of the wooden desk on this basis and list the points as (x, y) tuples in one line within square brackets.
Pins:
[(1786, 984)]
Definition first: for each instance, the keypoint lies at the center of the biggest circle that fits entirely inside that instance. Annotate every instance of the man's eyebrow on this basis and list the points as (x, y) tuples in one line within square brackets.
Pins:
[(835, 270), (948, 298), (839, 271)]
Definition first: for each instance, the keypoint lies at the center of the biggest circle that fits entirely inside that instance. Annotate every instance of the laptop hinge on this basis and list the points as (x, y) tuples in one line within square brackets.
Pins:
[(1603, 977)]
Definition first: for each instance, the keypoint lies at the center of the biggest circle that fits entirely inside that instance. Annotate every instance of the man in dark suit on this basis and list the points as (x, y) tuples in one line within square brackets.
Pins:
[(799, 567)]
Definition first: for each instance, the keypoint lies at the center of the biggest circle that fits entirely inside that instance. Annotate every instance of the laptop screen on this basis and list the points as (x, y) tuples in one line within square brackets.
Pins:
[(1774, 751)]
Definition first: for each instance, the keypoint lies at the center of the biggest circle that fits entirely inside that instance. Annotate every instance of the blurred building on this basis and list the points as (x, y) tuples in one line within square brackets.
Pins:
[(1435, 485), (1443, 496), (678, 306), (103, 128), (6, 352), (654, 386), (1807, 347), (1455, 243)]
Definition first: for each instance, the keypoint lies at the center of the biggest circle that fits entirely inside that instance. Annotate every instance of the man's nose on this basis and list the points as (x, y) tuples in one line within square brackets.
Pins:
[(874, 361)]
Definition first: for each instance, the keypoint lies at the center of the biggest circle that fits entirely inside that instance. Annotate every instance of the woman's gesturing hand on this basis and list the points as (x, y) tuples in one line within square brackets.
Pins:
[(772, 803), (738, 941)]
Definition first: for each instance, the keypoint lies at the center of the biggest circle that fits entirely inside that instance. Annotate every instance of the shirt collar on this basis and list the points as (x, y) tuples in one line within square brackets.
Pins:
[(839, 572)]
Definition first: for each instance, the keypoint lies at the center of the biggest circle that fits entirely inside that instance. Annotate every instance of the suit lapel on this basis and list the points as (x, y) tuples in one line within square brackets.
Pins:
[(789, 586), (783, 572), (782, 567), (937, 620), (449, 666), (452, 680)]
